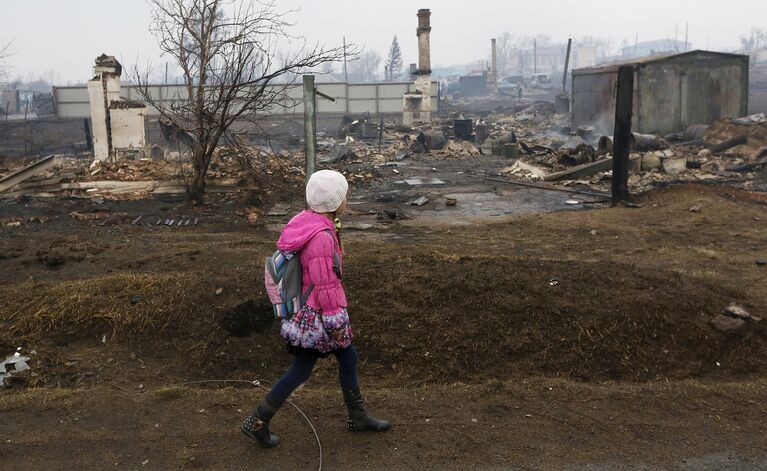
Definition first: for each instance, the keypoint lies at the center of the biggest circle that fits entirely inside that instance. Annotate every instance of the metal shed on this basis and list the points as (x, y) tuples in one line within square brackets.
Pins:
[(671, 92)]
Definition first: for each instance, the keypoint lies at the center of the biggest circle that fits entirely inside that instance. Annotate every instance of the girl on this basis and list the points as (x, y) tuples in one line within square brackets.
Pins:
[(322, 326)]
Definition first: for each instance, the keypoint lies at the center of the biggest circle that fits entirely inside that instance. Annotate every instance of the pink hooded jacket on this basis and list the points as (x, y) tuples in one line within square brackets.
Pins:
[(314, 237)]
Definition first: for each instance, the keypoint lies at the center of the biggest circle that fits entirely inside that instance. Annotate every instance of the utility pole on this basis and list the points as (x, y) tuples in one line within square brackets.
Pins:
[(636, 44), (346, 69), (494, 65), (310, 126), (622, 134), (686, 37), (535, 56)]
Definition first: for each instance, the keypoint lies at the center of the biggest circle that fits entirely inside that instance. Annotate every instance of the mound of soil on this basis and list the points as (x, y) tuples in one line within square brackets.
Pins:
[(426, 317), (440, 319)]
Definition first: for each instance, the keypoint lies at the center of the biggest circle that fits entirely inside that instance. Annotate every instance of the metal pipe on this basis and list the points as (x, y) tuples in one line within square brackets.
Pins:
[(327, 97), (567, 64)]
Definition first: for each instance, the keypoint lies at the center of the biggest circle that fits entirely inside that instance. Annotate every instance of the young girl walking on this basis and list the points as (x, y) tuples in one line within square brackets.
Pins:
[(321, 328)]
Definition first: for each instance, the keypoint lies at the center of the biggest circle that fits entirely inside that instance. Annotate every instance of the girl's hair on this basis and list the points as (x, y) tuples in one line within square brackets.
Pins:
[(339, 229)]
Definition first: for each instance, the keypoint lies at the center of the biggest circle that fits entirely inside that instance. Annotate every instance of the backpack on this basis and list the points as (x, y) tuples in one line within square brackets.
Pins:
[(283, 278)]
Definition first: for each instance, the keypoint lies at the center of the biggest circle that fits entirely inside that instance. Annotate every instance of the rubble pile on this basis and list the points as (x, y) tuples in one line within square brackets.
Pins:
[(727, 151), (133, 170), (538, 142), (231, 170)]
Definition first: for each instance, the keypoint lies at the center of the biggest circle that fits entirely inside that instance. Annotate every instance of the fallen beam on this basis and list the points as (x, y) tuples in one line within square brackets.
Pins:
[(112, 186), (551, 188), (48, 182), (175, 188), (530, 168), (151, 186), (26, 173), (580, 171), (721, 147)]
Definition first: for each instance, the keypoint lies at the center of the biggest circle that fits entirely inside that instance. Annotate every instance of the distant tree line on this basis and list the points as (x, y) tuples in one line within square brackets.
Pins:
[(755, 44)]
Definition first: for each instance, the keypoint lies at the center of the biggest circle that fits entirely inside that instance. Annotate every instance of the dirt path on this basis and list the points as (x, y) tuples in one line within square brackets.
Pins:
[(535, 424)]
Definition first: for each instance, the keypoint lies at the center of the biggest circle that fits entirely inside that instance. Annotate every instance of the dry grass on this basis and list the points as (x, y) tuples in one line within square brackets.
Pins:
[(44, 398), (73, 307)]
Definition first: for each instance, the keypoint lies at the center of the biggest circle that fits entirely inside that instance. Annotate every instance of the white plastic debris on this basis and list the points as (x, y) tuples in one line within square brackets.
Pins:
[(12, 365)]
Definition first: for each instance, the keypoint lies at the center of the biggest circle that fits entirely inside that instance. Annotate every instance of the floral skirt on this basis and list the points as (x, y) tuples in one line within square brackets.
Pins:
[(311, 330)]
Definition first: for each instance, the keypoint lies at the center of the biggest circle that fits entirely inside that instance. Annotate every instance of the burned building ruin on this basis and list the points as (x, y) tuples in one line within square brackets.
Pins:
[(118, 124), (671, 92)]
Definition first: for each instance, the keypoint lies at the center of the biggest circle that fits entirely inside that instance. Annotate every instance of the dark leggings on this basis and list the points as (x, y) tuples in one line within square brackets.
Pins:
[(302, 368)]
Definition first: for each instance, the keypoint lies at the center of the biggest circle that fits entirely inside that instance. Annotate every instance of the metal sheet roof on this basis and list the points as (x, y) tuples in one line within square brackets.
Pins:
[(640, 61)]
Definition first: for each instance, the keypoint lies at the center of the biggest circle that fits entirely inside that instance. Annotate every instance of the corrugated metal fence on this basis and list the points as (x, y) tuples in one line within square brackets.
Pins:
[(357, 98)]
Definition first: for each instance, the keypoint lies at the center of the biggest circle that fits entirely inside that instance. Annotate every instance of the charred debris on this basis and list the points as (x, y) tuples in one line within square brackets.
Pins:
[(690, 124)]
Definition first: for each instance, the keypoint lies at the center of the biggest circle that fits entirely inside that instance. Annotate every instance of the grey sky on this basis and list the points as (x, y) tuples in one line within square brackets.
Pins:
[(65, 36)]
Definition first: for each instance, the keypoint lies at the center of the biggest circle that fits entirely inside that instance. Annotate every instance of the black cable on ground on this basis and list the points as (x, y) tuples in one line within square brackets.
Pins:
[(258, 384)]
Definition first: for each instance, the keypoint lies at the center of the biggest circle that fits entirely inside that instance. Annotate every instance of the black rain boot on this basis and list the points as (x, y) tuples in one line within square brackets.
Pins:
[(257, 425), (359, 419)]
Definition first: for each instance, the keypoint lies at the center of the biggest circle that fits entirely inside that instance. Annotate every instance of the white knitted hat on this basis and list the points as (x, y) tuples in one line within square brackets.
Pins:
[(325, 191)]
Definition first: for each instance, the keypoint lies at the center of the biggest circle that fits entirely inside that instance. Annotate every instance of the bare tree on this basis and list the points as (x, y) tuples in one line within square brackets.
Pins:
[(365, 67), (506, 47), (327, 69), (755, 42), (227, 51), (5, 52)]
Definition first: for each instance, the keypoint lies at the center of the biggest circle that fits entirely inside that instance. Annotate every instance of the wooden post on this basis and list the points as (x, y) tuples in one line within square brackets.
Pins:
[(310, 126), (622, 134)]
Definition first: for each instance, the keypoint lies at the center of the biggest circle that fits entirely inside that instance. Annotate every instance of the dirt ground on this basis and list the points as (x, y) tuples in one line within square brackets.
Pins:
[(564, 340)]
